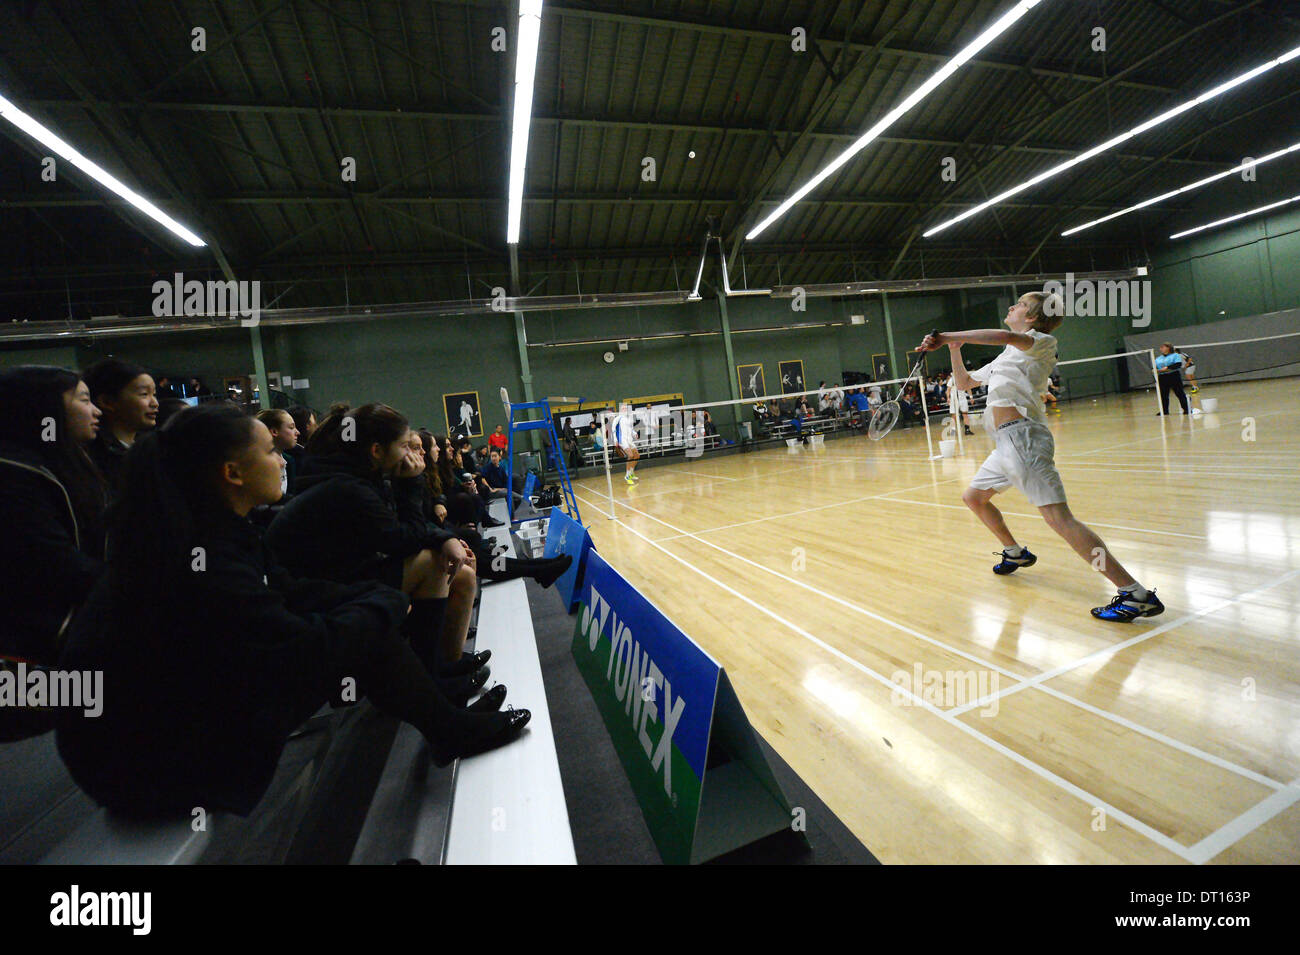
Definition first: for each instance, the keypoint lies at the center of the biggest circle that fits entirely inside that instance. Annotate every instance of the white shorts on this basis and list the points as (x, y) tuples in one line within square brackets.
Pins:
[(1023, 458)]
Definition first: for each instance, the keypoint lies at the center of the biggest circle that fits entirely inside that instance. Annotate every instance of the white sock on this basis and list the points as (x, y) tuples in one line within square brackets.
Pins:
[(1014, 551), (1137, 591)]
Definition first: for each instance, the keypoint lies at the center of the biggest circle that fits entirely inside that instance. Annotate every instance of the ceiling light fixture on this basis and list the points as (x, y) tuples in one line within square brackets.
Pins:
[(1117, 140), (47, 138), (1195, 185), (1239, 215), (530, 28), (1003, 24)]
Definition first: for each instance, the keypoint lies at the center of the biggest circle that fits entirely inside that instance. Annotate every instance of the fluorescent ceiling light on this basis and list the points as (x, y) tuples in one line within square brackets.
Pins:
[(920, 93), (46, 137), (530, 28), (1122, 137), (1239, 215), (1195, 185)]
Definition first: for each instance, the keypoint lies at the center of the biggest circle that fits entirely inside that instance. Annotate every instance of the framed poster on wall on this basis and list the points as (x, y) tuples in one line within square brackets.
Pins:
[(880, 368), (792, 376), (752, 384), (463, 416), (908, 359)]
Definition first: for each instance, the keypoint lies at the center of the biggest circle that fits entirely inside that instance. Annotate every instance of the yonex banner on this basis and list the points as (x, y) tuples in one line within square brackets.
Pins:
[(698, 772), (564, 535)]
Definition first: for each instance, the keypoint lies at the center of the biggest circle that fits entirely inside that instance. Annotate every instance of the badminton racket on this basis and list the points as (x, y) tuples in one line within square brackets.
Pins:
[(886, 416)]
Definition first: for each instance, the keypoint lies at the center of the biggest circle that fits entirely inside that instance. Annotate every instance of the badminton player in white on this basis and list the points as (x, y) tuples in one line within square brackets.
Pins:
[(1025, 451), (753, 383), (625, 441), (467, 417)]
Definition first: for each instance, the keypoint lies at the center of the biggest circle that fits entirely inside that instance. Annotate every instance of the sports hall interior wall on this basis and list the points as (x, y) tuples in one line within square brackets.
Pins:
[(1246, 269), (411, 363)]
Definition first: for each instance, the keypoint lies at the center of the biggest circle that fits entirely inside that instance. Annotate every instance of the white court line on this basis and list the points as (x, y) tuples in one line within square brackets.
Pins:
[(1113, 717), (1146, 635), (1249, 467), (774, 517), (1246, 823), (1078, 792), (1178, 434), (1175, 471), (750, 477), (1118, 527)]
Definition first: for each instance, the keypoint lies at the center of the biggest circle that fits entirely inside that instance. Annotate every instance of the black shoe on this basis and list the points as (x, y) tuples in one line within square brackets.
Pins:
[(493, 522), (467, 664), (561, 564), (489, 702), (497, 730), (969, 431), (460, 689)]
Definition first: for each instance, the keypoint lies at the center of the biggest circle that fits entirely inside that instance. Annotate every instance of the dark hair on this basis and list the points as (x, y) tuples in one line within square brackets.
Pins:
[(371, 424), (168, 407), (301, 416), (30, 397), (446, 467), (109, 376), (432, 478), (167, 489)]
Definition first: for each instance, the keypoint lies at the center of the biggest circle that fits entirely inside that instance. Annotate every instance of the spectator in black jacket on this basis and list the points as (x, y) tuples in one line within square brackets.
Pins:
[(358, 514), (52, 508), (569, 443), (211, 655), (124, 392)]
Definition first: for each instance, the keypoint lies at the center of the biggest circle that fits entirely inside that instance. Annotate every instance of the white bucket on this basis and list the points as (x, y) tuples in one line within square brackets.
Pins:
[(948, 447), (1209, 405), (792, 443)]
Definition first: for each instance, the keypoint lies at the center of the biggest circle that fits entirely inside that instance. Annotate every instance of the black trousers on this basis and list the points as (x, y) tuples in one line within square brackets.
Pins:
[(1173, 380)]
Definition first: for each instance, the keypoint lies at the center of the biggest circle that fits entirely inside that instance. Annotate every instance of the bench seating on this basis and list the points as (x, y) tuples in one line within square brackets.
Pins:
[(508, 805)]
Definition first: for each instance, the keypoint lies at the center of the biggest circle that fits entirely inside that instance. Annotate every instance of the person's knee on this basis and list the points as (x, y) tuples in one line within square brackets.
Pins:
[(974, 498), (421, 572), (465, 581), (1058, 518)]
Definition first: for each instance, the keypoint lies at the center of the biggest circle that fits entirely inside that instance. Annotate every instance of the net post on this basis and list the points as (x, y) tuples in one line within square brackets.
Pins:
[(925, 409), (1155, 379), (954, 412), (604, 444)]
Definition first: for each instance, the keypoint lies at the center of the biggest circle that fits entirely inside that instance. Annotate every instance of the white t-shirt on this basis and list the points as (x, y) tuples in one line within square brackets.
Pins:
[(1017, 379), (624, 435)]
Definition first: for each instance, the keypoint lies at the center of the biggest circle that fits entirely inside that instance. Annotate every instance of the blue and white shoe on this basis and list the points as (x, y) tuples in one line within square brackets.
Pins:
[(1125, 608), (1010, 564)]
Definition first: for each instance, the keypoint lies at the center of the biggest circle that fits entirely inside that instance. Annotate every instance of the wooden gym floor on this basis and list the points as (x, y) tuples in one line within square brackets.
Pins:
[(817, 576)]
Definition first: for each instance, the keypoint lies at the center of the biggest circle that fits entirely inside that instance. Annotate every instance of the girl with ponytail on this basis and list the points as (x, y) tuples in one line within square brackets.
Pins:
[(211, 653)]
